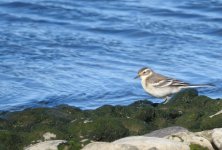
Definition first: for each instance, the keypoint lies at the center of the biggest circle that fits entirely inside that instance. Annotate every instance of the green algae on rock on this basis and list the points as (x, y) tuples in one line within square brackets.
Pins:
[(107, 123), (197, 147)]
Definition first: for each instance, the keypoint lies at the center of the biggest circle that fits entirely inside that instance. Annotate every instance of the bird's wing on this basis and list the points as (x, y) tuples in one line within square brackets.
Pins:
[(162, 81)]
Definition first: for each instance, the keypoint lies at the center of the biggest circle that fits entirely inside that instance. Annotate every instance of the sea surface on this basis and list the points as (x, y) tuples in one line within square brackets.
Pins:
[(85, 53)]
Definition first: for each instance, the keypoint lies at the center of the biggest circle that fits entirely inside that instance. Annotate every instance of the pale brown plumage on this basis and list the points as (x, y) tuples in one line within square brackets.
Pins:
[(161, 86)]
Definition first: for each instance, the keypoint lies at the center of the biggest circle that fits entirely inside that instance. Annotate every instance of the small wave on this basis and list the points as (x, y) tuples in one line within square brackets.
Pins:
[(216, 32), (19, 18), (22, 5)]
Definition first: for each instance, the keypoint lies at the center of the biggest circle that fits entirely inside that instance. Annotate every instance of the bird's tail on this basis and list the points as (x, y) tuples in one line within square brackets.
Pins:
[(200, 85)]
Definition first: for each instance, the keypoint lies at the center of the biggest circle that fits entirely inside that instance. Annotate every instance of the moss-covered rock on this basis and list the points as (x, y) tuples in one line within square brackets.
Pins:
[(10, 140), (99, 129), (197, 147), (107, 123)]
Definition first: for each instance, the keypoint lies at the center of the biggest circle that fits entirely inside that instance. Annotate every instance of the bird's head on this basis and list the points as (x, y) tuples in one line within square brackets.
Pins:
[(144, 73)]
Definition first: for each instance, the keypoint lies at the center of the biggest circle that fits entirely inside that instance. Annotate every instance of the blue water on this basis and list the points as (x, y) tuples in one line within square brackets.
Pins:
[(86, 52)]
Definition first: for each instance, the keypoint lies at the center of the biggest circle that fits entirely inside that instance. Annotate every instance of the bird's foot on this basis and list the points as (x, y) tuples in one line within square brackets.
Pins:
[(166, 99)]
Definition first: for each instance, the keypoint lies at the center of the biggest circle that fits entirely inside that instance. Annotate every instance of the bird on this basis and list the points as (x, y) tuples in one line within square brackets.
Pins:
[(161, 86)]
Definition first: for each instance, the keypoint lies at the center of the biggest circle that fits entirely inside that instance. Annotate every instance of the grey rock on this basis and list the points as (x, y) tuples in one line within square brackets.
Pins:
[(166, 131)]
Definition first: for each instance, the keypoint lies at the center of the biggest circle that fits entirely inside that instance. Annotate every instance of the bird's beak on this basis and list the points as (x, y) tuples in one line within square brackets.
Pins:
[(137, 76)]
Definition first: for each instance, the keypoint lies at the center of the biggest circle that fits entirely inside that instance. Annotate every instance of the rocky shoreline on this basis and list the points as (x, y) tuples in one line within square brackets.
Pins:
[(171, 138), (73, 128)]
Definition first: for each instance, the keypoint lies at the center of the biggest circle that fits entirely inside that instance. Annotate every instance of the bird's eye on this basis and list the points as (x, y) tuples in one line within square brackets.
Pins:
[(146, 71)]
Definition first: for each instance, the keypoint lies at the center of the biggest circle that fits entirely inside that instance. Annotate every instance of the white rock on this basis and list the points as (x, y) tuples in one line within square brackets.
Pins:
[(108, 146), (87, 121), (218, 113), (48, 136), (144, 143), (207, 134), (47, 145), (190, 138), (138, 143), (217, 138)]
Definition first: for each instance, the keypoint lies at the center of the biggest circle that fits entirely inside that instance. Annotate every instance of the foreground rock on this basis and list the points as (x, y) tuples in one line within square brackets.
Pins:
[(138, 143), (180, 134), (190, 138), (108, 123), (177, 138)]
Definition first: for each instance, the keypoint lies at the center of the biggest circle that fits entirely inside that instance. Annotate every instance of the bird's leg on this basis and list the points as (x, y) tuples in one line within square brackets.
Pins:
[(166, 99)]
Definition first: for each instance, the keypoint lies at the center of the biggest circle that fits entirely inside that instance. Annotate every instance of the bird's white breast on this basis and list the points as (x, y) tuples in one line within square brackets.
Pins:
[(158, 92)]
